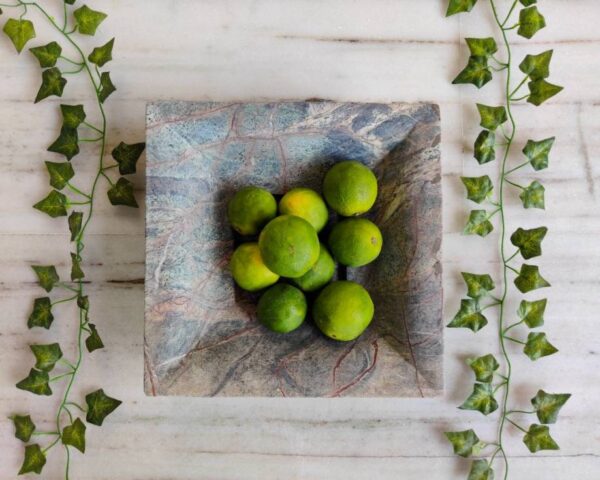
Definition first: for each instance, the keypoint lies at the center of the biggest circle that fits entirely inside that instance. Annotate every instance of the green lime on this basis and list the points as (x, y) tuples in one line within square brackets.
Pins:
[(319, 274), (289, 246), (343, 310), (350, 188), (282, 308), (355, 242), (248, 269), (307, 204), (250, 209)]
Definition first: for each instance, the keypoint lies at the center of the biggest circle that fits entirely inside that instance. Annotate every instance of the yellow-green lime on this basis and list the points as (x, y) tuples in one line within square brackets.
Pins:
[(248, 269), (282, 308), (350, 188), (343, 310), (307, 204), (355, 242), (289, 246), (319, 274), (250, 209)]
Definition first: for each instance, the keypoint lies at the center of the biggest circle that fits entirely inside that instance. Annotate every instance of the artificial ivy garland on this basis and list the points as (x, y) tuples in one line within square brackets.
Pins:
[(67, 199), (489, 377)]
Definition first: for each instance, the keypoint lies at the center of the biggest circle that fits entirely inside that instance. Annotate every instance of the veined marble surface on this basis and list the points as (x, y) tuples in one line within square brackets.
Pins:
[(357, 50)]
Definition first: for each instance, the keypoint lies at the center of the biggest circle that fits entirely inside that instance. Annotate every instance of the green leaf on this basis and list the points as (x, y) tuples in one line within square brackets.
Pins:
[(538, 346), (100, 406), (83, 302), (127, 156), (478, 224), (533, 196), (537, 67), (122, 193), (73, 115), (460, 6), (484, 367), (492, 117), (70, 2), (60, 174), (530, 22), (53, 83), (74, 435), (538, 438), (42, 314), (530, 279), (34, 460), (548, 405), (75, 222), (88, 20), (102, 55), (19, 32), (477, 72), (482, 399), (541, 90), (36, 382), (47, 55), (76, 271), (465, 443), (469, 316), (54, 205), (529, 242), (106, 87), (47, 276), (478, 286), (538, 152), (46, 356), (24, 427), (67, 143), (532, 313), (527, 3), (479, 189), (93, 342), (482, 47), (485, 147), (481, 470)]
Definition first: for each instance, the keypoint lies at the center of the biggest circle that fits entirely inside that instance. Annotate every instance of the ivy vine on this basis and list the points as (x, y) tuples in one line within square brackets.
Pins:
[(68, 199)]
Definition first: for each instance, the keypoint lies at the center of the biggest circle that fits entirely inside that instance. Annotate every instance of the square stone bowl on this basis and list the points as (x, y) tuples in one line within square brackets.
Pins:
[(202, 337)]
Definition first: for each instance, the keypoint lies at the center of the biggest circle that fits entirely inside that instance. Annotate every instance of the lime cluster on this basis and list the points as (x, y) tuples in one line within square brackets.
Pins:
[(288, 247)]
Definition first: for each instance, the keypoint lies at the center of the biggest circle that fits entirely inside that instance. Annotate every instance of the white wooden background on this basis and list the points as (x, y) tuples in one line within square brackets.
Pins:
[(375, 50)]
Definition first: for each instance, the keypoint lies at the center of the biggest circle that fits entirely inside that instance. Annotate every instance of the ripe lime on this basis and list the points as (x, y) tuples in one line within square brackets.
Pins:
[(248, 269), (250, 209), (282, 308), (350, 188), (319, 274), (307, 204), (343, 310), (289, 246), (355, 242)]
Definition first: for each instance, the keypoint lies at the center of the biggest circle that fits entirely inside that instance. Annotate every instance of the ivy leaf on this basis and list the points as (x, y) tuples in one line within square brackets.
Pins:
[(533, 196), (541, 90), (460, 6), (76, 271), (99, 406), (478, 286), (538, 438), (478, 224), (73, 115), (485, 147), (93, 342), (102, 55), (482, 47), (34, 460), (46, 356), (42, 314), (75, 222), (74, 435), (484, 367), (482, 399), (24, 427), (60, 174), (532, 313), (67, 143), (127, 156), (54, 205), (88, 20), (548, 405), (530, 22), (83, 302), (53, 83), (529, 242), (530, 279), (481, 470), (538, 346), (477, 72), (70, 2), (479, 189), (469, 316), (122, 193), (36, 382), (106, 87), (465, 443), (492, 117), (47, 55), (537, 67), (527, 3), (538, 152), (19, 32), (47, 276)]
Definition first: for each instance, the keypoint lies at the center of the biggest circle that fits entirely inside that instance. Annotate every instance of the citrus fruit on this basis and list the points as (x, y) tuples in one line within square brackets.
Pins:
[(289, 246), (319, 274), (343, 310), (248, 269), (282, 308), (250, 209), (355, 242), (307, 204), (350, 188)]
